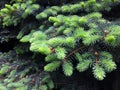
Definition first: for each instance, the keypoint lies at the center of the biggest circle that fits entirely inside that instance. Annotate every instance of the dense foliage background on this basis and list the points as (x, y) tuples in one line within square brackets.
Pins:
[(59, 45)]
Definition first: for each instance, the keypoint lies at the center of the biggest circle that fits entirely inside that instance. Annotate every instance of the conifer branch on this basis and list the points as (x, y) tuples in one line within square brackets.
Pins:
[(54, 31)]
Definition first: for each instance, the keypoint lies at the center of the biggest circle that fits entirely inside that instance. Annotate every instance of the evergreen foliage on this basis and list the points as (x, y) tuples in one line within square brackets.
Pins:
[(61, 33)]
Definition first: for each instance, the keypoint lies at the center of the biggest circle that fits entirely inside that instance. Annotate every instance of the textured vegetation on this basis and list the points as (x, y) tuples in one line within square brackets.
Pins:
[(72, 36)]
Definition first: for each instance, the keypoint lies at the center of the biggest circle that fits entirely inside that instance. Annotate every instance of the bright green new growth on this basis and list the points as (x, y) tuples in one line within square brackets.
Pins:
[(113, 36), (99, 72), (67, 68), (69, 35), (17, 11), (58, 40)]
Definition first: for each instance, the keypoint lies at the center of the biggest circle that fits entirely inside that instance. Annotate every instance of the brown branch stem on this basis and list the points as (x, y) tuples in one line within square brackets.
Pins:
[(74, 51)]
